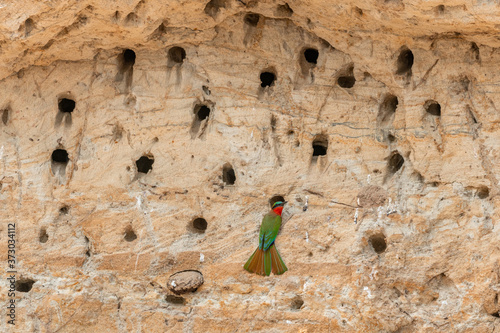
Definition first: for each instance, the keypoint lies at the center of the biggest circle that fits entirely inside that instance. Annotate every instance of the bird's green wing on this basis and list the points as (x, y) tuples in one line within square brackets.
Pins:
[(269, 228)]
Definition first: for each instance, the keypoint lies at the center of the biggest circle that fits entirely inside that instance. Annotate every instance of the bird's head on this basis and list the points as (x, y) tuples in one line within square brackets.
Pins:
[(279, 204), (278, 207)]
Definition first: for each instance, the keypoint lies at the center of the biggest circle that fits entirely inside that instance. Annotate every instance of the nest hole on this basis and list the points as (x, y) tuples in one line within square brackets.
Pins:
[(202, 112), (66, 105), (252, 19), (311, 55), (267, 79), (64, 210), (130, 235), (228, 174), (172, 299), (483, 192), (297, 303), (128, 58), (200, 119), (433, 108), (43, 237), (5, 116), (405, 62), (378, 243), (60, 156), (320, 146), (145, 164), (177, 54), (346, 81), (275, 199), (24, 285), (387, 110), (200, 224), (395, 163), (29, 25)]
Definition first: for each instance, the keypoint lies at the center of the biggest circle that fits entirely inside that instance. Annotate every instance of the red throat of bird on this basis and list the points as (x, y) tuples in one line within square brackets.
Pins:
[(278, 210)]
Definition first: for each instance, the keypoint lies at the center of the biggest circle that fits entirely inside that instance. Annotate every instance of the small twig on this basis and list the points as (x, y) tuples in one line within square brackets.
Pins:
[(340, 203), (315, 193)]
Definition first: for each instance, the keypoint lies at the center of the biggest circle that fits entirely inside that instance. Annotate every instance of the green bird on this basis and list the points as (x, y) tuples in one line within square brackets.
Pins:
[(266, 258)]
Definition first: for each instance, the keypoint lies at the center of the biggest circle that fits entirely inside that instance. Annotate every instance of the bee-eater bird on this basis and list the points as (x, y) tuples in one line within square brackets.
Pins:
[(266, 257)]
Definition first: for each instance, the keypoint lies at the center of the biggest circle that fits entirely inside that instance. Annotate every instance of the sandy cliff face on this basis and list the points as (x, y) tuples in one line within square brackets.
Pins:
[(145, 139)]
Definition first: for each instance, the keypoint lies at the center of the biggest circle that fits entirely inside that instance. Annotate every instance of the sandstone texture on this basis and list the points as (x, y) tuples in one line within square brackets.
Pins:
[(143, 138)]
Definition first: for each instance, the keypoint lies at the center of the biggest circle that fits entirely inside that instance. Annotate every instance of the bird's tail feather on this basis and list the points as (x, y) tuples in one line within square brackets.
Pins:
[(264, 262), (279, 266), (255, 263)]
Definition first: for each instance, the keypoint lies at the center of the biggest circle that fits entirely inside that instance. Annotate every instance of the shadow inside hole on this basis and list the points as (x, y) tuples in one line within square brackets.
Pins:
[(128, 59), (267, 79), (87, 246), (319, 149), (395, 163), (346, 78), (252, 19), (173, 299), (405, 62), (43, 237), (66, 105), (200, 225), (311, 56), (473, 53), (320, 146), (59, 162), (5, 116), (378, 243), (297, 303), (483, 192), (202, 113), (307, 61), (387, 111), (433, 108), (346, 81), (24, 285), (275, 199), (29, 25), (130, 235), (228, 175), (176, 55), (144, 164), (126, 62), (64, 210), (440, 9)]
